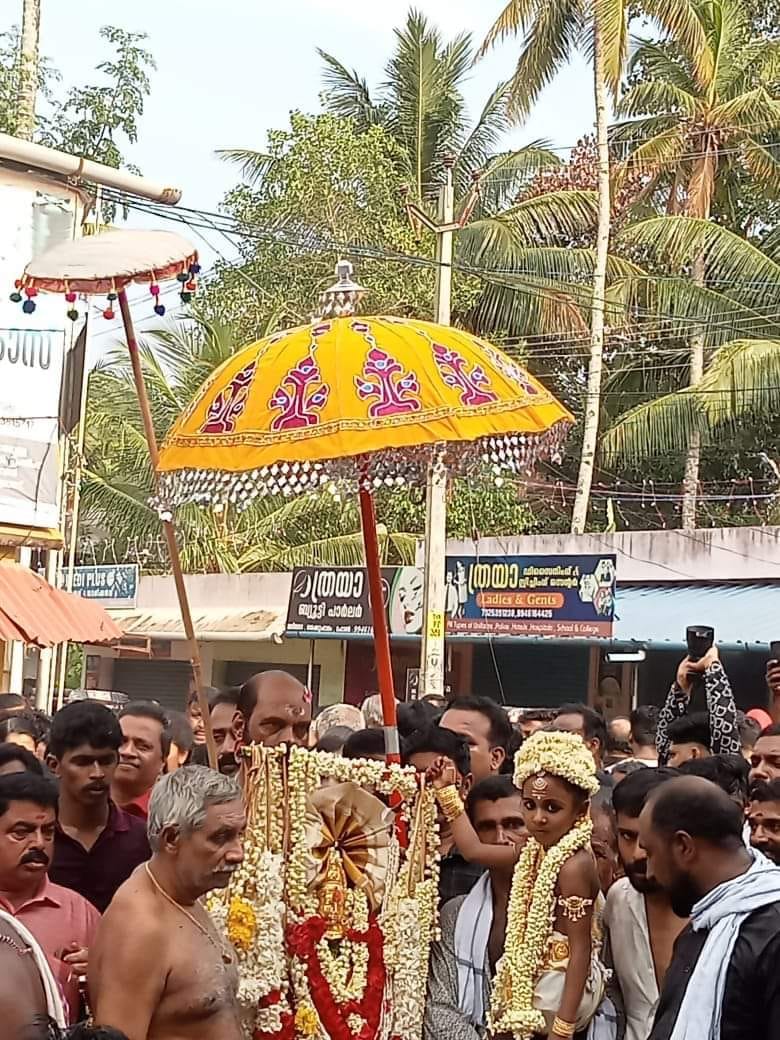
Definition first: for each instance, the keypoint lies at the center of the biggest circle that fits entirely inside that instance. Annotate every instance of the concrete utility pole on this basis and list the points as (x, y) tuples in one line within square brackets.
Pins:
[(432, 650), (28, 68)]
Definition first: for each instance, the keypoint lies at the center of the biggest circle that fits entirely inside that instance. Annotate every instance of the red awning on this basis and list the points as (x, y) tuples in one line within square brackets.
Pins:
[(34, 612)]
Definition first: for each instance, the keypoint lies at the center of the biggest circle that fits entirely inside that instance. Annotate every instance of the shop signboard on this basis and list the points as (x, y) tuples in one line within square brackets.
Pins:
[(485, 596), (32, 354), (557, 596), (335, 601), (112, 585)]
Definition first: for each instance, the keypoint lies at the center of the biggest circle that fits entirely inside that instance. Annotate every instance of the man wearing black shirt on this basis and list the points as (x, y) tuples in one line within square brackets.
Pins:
[(723, 982), (456, 875)]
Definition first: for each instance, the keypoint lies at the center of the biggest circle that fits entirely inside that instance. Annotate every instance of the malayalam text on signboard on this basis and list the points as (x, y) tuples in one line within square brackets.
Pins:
[(489, 596), (531, 595)]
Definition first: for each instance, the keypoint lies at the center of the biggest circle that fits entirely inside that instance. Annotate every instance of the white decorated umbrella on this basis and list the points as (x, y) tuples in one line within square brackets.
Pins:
[(106, 264)]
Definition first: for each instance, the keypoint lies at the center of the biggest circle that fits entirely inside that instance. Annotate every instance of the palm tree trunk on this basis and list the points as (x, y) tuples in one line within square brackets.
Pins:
[(590, 423), (690, 482), (699, 205), (28, 69)]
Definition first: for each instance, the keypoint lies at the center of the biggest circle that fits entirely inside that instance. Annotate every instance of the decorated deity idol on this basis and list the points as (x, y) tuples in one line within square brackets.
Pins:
[(550, 981)]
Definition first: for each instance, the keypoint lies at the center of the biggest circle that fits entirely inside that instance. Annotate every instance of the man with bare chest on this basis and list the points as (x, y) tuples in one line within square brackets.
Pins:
[(159, 970)]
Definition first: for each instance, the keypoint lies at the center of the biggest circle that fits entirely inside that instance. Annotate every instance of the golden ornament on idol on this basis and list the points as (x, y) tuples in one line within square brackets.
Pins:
[(331, 915)]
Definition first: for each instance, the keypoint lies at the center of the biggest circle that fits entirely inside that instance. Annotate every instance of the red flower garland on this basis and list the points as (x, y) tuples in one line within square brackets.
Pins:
[(303, 941), (286, 1030)]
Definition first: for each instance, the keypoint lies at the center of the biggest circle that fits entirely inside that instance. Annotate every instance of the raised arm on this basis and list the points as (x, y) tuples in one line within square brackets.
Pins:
[(722, 708), (443, 776), (675, 705)]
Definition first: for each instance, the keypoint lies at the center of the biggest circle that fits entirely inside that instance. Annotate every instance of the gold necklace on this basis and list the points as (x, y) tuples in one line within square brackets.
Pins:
[(226, 958)]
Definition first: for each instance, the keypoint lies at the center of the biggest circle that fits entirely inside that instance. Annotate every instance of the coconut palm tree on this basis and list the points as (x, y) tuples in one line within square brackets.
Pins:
[(272, 534), (554, 30), (740, 382), (28, 68), (700, 111), (421, 104)]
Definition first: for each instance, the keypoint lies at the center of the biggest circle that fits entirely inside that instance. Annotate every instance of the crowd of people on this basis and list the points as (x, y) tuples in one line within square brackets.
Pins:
[(611, 880)]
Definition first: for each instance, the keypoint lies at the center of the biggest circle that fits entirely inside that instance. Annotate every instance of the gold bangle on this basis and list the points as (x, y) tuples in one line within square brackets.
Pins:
[(450, 802), (564, 1028)]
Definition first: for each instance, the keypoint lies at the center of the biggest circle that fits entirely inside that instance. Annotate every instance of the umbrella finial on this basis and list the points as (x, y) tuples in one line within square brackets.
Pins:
[(341, 299)]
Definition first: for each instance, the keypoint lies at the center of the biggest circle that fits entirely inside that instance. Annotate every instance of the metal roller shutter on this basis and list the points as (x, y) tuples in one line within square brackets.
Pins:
[(531, 675), (165, 681)]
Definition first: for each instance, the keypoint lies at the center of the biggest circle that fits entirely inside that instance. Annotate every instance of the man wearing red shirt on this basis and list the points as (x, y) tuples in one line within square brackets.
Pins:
[(62, 921), (146, 742)]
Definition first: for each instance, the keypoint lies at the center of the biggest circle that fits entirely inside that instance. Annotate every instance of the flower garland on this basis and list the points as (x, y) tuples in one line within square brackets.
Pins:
[(341, 1012), (530, 918), (559, 754), (255, 929), (410, 917), (295, 984)]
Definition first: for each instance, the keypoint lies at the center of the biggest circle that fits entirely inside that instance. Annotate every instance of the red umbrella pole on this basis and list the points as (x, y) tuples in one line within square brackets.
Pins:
[(379, 617), (168, 528)]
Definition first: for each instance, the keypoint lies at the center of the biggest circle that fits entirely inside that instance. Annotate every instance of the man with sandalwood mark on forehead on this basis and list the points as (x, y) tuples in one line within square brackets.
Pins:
[(276, 708)]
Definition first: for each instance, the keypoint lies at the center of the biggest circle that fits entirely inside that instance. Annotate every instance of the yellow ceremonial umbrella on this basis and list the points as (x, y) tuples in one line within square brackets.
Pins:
[(362, 399)]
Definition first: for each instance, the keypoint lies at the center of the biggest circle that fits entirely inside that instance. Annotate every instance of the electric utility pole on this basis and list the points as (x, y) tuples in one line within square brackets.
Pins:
[(432, 649)]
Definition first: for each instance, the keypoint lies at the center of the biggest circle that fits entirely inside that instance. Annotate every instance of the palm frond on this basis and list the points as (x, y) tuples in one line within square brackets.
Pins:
[(656, 96), (505, 175), (742, 382), (755, 109), (612, 22), (729, 259), (656, 428), (254, 166), (555, 215), (480, 145), (681, 21), (347, 95), (516, 16), (552, 38), (763, 167)]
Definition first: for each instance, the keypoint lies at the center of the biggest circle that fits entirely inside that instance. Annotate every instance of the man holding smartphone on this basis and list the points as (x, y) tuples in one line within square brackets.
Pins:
[(721, 707)]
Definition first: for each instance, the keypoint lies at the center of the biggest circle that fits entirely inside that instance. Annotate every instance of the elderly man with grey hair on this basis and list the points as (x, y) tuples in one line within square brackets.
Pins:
[(159, 970)]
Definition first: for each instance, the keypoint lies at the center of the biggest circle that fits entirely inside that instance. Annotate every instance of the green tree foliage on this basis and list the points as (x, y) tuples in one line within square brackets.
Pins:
[(96, 121), (324, 188)]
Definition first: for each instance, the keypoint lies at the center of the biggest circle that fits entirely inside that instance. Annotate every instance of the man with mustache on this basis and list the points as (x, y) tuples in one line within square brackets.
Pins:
[(227, 725), (96, 844), (641, 923), (159, 968), (722, 983), (764, 819), (63, 922), (146, 742)]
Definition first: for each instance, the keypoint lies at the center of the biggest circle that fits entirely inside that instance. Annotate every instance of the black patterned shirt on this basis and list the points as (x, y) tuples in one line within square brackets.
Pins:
[(721, 708)]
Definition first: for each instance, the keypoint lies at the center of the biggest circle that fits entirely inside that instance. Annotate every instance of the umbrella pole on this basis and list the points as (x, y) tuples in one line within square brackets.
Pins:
[(379, 618), (168, 527)]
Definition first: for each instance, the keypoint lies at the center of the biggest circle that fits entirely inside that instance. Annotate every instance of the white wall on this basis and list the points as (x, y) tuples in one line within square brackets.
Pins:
[(711, 554)]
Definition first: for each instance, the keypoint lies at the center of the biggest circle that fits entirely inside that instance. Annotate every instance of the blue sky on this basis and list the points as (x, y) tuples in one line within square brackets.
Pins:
[(230, 70)]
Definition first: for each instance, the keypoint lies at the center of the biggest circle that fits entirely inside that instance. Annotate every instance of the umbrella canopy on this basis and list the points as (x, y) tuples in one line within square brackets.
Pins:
[(357, 398), (109, 261)]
